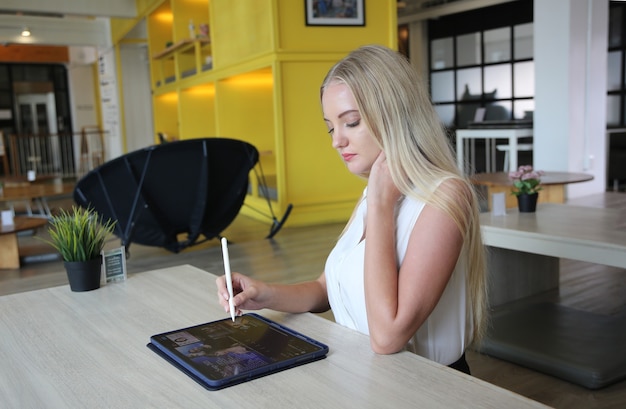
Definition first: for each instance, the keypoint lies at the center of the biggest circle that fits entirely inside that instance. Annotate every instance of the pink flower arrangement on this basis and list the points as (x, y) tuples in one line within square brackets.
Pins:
[(526, 181)]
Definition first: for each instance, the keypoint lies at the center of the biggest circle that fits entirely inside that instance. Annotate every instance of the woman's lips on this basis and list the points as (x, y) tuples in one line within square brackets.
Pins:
[(347, 156)]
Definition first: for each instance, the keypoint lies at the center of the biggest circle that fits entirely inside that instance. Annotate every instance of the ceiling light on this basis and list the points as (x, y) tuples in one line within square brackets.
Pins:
[(26, 32)]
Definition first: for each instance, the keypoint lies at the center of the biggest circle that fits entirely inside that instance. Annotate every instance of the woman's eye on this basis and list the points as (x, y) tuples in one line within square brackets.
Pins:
[(331, 130), (353, 124)]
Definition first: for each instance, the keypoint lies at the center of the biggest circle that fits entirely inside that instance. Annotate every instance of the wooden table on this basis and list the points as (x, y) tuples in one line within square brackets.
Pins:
[(36, 192), (525, 248), (9, 251), (553, 185), (591, 234), (489, 135), (528, 245), (78, 350)]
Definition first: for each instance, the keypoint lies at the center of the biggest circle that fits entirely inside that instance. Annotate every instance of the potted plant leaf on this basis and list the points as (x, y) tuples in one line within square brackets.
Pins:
[(79, 236)]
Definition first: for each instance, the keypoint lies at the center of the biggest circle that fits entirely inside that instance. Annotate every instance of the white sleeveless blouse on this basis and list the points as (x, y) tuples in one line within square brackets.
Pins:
[(443, 336)]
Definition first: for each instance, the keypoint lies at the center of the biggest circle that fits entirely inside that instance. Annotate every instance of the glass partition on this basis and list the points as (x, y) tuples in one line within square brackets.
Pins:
[(523, 44), (524, 74), (498, 45), (442, 86), (468, 49), (469, 84), (441, 53), (498, 80)]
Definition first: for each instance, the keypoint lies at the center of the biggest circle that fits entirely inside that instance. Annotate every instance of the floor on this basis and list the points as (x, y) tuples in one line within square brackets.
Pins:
[(298, 253)]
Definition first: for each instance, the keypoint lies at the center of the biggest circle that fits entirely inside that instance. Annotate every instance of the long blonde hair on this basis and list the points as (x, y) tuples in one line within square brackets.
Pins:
[(395, 106)]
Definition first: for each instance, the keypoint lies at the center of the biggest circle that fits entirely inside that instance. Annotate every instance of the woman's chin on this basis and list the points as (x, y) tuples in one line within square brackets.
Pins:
[(364, 173)]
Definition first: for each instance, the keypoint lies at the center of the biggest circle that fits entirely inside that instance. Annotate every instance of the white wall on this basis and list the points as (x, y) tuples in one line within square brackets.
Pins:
[(109, 103), (137, 97), (570, 42), (81, 85)]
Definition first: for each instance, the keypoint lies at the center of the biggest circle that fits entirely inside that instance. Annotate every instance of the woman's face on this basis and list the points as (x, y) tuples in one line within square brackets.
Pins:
[(349, 134)]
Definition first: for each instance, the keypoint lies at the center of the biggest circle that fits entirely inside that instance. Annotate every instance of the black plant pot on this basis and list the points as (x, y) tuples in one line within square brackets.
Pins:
[(527, 203), (84, 275)]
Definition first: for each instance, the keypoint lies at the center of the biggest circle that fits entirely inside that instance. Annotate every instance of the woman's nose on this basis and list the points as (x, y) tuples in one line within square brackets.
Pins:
[(339, 141)]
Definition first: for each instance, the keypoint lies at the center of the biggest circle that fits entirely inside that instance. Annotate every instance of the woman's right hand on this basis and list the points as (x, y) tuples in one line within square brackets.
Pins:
[(380, 187), (248, 294)]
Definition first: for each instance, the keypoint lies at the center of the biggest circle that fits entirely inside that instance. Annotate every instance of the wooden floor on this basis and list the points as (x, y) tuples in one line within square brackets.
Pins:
[(299, 253)]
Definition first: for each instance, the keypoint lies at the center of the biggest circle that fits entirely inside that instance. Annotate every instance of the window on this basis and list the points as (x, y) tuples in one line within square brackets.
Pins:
[(483, 58), (616, 65)]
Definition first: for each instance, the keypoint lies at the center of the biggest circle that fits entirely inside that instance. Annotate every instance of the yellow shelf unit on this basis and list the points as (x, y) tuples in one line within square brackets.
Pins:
[(177, 48), (245, 110), (159, 24), (165, 109), (196, 111), (263, 88)]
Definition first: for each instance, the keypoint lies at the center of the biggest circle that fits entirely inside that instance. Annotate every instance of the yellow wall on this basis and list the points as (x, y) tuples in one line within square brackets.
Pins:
[(245, 30), (314, 172), (294, 35)]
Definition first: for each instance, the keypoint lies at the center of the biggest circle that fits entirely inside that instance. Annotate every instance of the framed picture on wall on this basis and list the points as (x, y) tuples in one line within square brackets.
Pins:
[(335, 12)]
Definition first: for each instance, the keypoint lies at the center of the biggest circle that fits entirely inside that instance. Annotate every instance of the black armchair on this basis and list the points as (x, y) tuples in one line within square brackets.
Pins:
[(195, 186)]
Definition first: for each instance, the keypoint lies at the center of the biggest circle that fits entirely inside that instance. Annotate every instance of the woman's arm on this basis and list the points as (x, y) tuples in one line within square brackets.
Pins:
[(398, 302), (251, 294)]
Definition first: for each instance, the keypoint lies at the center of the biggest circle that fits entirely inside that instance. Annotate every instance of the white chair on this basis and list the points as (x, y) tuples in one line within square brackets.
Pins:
[(507, 149)]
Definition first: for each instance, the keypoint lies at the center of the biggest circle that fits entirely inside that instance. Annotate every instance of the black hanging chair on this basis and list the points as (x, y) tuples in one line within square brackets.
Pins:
[(195, 186)]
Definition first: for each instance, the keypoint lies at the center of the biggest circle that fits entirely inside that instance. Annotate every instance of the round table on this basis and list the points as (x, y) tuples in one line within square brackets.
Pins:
[(9, 252), (553, 185)]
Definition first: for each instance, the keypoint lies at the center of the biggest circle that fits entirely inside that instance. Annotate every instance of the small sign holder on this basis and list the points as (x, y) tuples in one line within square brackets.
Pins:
[(115, 265), (498, 204), (7, 218)]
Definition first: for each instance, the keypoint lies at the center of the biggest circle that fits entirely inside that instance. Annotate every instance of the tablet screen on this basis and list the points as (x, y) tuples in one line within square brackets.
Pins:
[(250, 346)]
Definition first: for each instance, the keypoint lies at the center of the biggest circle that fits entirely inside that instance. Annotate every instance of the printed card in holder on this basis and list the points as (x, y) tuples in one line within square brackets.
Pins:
[(115, 264)]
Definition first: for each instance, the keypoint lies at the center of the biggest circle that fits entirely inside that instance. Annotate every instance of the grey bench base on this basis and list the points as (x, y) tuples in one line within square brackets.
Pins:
[(577, 346)]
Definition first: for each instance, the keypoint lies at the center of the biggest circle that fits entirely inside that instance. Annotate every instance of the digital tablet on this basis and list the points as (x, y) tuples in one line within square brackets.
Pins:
[(224, 353)]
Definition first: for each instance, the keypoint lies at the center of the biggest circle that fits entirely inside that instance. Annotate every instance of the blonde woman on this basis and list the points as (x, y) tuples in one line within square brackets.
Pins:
[(409, 268)]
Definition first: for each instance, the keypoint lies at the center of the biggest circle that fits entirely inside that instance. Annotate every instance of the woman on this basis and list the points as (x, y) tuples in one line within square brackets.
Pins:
[(409, 267)]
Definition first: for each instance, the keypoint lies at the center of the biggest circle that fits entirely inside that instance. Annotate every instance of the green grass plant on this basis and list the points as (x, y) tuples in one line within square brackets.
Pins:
[(79, 234)]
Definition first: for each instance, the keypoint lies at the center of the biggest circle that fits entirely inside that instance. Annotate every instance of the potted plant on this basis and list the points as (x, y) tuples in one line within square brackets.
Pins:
[(526, 186), (79, 236)]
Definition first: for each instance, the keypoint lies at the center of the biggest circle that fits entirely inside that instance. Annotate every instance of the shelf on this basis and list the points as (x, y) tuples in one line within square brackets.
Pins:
[(181, 46)]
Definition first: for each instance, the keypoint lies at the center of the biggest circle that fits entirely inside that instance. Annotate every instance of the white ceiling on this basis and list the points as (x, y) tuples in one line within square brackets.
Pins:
[(61, 22), (83, 22), (417, 10), (98, 8)]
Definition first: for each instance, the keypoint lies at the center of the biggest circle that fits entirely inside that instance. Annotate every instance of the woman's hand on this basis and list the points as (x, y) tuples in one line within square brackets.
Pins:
[(248, 294), (251, 294), (381, 190)]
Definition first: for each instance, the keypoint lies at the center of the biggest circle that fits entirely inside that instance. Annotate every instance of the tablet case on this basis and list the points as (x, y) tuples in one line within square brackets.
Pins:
[(266, 359)]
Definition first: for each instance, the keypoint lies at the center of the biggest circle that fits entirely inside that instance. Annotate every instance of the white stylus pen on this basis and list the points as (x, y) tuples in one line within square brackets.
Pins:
[(229, 279)]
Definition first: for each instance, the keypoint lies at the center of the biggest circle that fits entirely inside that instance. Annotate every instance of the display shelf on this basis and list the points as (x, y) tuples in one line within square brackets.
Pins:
[(182, 46), (188, 56), (160, 32)]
